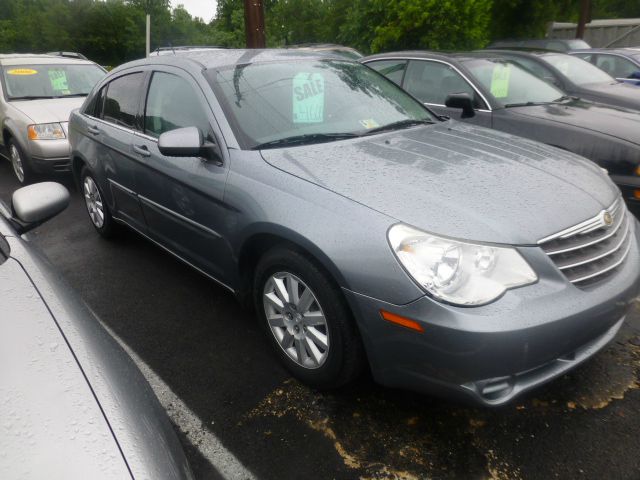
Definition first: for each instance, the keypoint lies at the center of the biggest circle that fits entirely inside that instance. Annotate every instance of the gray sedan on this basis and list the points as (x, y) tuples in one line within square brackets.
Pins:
[(447, 257), (73, 405)]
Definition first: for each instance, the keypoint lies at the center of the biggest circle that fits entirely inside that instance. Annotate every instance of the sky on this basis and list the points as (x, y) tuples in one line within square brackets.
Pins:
[(204, 9)]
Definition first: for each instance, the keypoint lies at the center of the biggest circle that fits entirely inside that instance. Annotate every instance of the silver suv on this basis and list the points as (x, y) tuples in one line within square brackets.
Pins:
[(38, 94)]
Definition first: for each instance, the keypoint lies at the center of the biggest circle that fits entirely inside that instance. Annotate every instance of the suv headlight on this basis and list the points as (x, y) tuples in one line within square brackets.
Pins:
[(46, 131), (457, 272)]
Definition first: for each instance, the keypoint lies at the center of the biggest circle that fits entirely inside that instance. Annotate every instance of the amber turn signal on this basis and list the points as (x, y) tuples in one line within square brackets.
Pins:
[(402, 321), (636, 194)]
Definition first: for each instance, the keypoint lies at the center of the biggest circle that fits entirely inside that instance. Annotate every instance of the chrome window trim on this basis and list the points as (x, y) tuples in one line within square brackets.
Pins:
[(145, 136), (110, 124), (445, 63), (181, 217), (175, 254)]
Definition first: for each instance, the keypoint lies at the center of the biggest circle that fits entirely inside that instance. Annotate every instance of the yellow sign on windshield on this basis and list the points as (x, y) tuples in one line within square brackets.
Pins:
[(22, 71), (500, 81)]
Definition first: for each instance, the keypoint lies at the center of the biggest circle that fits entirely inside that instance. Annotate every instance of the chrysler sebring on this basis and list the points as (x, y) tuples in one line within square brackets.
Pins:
[(365, 230)]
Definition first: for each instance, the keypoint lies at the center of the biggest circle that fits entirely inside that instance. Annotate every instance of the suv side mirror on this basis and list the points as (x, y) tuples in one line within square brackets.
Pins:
[(35, 204), (463, 101), (187, 142)]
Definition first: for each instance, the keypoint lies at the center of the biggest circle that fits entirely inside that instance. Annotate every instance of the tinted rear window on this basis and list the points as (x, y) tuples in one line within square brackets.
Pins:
[(123, 99)]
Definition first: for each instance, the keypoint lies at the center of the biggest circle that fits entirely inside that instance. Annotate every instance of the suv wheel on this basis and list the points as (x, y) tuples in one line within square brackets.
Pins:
[(19, 162), (307, 320), (96, 207)]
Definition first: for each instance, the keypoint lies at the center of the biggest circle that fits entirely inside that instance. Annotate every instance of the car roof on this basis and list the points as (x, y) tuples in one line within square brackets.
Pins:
[(427, 54), (229, 57), (619, 51), (41, 59)]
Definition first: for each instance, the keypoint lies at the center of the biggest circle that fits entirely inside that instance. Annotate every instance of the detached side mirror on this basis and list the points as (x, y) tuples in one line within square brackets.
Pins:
[(187, 142), (35, 204), (463, 101)]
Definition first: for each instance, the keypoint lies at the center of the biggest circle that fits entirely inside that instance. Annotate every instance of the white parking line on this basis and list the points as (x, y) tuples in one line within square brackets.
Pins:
[(209, 446)]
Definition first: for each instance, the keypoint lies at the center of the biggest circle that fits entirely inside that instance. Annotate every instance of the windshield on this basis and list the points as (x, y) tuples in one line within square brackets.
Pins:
[(577, 70), (511, 84), (50, 81), (267, 102)]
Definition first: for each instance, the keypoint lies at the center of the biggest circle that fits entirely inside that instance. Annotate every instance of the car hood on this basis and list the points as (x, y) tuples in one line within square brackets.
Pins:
[(458, 180), (52, 426), (623, 93), (49, 110), (618, 122)]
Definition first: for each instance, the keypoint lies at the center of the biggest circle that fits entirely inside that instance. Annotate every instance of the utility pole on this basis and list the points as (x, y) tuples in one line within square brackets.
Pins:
[(585, 7), (254, 23), (148, 36)]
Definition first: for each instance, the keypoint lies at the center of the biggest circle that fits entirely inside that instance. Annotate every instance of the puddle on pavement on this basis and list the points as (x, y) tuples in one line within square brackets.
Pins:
[(384, 434)]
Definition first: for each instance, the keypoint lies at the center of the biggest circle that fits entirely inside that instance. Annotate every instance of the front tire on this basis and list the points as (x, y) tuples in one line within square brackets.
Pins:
[(19, 162), (98, 210), (307, 320)]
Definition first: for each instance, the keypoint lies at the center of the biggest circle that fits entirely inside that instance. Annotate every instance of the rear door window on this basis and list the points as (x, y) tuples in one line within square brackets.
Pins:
[(122, 100), (172, 103), (392, 69), (617, 67)]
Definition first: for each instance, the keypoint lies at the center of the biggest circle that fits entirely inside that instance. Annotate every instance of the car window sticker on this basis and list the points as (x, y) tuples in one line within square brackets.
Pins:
[(500, 81), (369, 123), (58, 79), (22, 71), (308, 98)]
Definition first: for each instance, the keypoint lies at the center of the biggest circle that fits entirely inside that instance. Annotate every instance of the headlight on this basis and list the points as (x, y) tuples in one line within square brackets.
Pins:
[(460, 273), (46, 131)]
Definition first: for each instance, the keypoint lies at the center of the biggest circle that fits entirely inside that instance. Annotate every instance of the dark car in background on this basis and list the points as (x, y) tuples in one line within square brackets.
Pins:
[(486, 89), (554, 44), (73, 404), (576, 77), (363, 228), (621, 63)]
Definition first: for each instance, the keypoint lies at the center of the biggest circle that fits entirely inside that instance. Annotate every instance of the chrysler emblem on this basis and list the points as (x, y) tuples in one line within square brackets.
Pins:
[(607, 219)]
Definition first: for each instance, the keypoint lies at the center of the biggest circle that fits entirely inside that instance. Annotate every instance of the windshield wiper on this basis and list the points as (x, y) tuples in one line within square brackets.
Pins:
[(31, 97), (304, 139), (564, 98), (73, 95), (398, 125)]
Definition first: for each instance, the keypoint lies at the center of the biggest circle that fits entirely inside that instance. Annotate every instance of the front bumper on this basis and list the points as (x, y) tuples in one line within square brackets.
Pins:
[(493, 353), (49, 156)]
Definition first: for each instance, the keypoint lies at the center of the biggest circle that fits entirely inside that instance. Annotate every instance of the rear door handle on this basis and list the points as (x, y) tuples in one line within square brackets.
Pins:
[(141, 150), (93, 130)]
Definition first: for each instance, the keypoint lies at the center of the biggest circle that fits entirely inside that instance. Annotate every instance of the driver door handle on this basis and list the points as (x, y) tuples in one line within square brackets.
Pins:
[(93, 130), (141, 150)]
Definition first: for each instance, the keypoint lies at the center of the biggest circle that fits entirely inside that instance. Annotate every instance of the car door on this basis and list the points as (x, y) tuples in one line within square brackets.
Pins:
[(181, 197), (112, 124), (432, 81)]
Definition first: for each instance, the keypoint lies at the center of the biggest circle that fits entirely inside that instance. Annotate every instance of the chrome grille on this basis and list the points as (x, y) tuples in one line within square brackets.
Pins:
[(587, 252)]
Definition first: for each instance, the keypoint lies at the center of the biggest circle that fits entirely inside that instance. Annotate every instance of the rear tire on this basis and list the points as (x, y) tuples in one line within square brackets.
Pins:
[(97, 208), (20, 163), (307, 320)]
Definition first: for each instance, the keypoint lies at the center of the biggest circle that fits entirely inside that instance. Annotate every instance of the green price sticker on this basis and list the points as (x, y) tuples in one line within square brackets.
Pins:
[(58, 79), (500, 81), (308, 98)]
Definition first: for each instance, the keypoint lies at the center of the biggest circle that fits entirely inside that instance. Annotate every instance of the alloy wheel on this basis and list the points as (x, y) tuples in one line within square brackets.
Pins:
[(93, 199), (296, 320), (16, 163)]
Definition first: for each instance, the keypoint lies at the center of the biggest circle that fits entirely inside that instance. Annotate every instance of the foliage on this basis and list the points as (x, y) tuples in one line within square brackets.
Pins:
[(112, 31)]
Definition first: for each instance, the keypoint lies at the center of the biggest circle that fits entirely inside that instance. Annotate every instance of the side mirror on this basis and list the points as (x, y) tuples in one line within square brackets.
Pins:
[(35, 204), (187, 142), (463, 101), (181, 142)]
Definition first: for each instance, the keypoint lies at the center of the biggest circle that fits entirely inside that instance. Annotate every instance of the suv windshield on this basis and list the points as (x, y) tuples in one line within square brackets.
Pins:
[(310, 101), (50, 80), (511, 84), (577, 70)]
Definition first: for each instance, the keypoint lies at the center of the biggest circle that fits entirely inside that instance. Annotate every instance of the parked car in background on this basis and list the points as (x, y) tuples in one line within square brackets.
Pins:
[(554, 44), (485, 89), (38, 94), (74, 406), (623, 64), (340, 50), (464, 261), (576, 77)]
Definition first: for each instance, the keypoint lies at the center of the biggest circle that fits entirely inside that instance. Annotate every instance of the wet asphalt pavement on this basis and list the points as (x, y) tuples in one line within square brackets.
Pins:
[(211, 354)]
